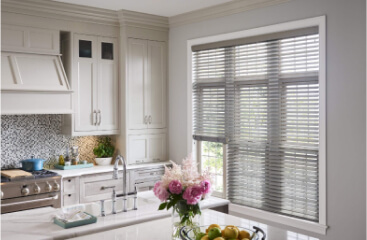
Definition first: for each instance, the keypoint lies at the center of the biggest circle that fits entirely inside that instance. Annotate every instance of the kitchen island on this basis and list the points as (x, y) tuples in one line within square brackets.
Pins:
[(161, 229), (37, 223)]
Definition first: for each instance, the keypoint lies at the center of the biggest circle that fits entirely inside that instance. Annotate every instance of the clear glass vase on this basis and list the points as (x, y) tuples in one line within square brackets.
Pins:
[(184, 215)]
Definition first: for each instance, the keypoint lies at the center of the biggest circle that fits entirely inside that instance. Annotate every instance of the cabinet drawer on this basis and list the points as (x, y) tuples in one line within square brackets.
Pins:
[(149, 173), (70, 185), (71, 199), (145, 186), (91, 187)]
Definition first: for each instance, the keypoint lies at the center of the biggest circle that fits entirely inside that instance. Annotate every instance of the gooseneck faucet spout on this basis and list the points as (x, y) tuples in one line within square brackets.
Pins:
[(115, 175)]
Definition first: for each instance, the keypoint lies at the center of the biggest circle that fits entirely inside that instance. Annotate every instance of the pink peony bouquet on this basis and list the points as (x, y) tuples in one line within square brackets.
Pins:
[(182, 188)]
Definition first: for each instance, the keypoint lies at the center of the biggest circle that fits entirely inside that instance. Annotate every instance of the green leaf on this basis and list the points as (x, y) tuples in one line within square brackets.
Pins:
[(170, 204), (162, 206)]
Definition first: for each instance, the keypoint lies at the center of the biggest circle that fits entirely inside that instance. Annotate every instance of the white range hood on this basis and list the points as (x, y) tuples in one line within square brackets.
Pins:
[(33, 80)]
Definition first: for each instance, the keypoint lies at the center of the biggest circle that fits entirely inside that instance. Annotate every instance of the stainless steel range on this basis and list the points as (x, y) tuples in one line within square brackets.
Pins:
[(42, 189)]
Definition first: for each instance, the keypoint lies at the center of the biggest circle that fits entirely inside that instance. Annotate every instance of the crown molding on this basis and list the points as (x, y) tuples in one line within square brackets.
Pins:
[(143, 20), (61, 11), (221, 10)]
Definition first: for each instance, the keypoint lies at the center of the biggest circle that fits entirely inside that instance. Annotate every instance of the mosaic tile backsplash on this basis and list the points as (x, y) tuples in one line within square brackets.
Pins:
[(40, 135)]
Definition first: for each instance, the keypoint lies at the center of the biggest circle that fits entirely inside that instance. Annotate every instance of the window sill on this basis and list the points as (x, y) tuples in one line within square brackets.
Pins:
[(280, 219)]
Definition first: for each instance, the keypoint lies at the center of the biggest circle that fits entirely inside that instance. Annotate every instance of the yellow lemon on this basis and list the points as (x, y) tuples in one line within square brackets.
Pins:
[(230, 232), (205, 238), (244, 234)]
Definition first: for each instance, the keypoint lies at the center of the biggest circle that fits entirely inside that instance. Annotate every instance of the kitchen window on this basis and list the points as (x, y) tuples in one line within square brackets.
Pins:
[(212, 156), (259, 97)]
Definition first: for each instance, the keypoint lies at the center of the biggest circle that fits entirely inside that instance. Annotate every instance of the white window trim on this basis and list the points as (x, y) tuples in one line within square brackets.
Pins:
[(321, 226)]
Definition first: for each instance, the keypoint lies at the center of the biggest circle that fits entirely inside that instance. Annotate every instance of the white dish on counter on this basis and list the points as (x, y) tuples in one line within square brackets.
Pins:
[(104, 161)]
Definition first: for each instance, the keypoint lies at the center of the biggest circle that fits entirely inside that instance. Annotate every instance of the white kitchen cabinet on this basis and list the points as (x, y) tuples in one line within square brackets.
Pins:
[(98, 186), (146, 84), (147, 148), (145, 179), (30, 40), (95, 82), (70, 191)]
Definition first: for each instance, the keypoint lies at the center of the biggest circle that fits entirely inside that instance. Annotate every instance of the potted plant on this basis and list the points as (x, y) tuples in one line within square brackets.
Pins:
[(104, 151)]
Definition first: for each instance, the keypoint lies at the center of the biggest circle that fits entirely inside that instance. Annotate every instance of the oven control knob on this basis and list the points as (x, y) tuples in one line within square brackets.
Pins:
[(37, 189), (48, 187), (56, 186), (2, 194), (25, 191)]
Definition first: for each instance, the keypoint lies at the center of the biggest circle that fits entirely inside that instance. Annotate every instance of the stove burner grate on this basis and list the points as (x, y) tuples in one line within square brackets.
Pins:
[(43, 173), (35, 175)]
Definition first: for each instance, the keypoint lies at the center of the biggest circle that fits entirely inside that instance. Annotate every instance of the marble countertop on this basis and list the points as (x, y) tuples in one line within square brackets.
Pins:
[(101, 169), (37, 223), (161, 229)]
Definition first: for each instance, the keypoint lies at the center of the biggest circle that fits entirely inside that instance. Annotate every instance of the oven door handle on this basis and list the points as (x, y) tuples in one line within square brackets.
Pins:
[(29, 201)]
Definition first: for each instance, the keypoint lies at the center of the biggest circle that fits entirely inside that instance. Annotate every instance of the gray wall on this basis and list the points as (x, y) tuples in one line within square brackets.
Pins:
[(346, 98)]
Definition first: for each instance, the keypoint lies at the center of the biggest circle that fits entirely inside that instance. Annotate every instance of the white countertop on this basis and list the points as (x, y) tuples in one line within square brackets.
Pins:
[(36, 223), (102, 169), (162, 229)]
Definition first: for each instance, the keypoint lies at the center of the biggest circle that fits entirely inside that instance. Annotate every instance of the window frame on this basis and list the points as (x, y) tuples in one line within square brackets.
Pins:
[(319, 22)]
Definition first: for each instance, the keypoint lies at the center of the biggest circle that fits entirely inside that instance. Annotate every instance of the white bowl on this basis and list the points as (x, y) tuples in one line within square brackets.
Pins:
[(104, 161)]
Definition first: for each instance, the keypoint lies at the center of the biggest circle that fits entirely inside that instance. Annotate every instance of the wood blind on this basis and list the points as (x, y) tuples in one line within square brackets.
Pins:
[(262, 98)]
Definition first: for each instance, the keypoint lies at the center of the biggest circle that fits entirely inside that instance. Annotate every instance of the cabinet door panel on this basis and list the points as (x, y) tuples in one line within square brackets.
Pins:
[(157, 84), (86, 87), (157, 148), (107, 89), (44, 40), (13, 38), (27, 39), (137, 60), (138, 149)]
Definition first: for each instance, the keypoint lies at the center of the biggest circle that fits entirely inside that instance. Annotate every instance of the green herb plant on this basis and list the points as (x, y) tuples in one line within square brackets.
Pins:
[(104, 149)]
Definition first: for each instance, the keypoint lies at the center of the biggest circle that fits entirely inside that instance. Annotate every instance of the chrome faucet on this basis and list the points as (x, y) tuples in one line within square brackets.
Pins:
[(115, 176)]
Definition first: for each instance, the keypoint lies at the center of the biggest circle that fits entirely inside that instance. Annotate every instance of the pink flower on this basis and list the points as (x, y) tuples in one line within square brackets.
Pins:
[(205, 186), (193, 195), (175, 187), (160, 192)]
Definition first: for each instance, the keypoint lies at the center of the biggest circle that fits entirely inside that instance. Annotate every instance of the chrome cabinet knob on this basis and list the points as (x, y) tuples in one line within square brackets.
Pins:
[(25, 191), (56, 186), (36, 189), (48, 187)]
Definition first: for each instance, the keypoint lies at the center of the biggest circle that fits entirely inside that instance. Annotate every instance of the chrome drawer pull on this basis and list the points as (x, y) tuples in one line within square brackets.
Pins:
[(95, 118), (100, 117)]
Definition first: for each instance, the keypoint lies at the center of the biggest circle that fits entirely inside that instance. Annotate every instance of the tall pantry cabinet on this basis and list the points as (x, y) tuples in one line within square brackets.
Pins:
[(145, 128)]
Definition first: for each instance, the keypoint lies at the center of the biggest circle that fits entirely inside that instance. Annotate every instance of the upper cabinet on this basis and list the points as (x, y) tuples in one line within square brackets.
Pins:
[(95, 81), (146, 84), (27, 39)]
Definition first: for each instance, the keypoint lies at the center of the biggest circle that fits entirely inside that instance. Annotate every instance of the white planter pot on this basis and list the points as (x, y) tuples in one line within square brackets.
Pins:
[(104, 161)]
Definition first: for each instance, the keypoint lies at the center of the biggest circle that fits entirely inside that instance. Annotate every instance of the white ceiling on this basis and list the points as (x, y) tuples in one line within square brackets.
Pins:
[(166, 8)]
